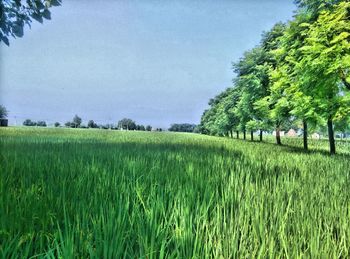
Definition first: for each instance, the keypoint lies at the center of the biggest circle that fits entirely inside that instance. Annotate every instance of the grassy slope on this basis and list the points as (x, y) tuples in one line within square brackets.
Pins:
[(93, 193)]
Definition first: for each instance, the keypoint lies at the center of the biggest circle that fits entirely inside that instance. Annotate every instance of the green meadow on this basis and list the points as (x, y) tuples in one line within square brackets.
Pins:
[(71, 193)]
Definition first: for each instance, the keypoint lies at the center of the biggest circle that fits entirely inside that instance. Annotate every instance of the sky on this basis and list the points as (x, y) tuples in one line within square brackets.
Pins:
[(156, 62)]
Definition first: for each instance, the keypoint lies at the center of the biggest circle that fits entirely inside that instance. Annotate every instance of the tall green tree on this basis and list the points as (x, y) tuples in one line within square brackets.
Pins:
[(252, 82), (285, 74), (325, 65), (272, 106), (220, 118)]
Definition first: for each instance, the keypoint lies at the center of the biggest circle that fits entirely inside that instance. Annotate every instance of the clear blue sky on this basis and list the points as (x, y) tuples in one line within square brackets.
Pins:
[(157, 62)]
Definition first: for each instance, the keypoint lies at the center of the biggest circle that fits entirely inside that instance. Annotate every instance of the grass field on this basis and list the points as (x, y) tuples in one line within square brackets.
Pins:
[(107, 194)]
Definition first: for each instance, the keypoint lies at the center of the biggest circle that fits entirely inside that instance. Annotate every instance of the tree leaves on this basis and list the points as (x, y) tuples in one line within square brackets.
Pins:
[(18, 29), (5, 40), (46, 14), (54, 3), (37, 16), (15, 14)]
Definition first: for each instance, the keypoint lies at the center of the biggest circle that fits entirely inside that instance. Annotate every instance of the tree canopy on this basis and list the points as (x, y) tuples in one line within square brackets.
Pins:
[(15, 14), (127, 124)]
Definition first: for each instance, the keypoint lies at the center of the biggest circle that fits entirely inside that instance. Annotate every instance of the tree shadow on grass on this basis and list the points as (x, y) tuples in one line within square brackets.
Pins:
[(299, 150)]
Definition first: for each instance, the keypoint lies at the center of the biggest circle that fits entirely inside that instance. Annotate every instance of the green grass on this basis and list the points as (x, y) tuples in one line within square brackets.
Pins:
[(108, 194)]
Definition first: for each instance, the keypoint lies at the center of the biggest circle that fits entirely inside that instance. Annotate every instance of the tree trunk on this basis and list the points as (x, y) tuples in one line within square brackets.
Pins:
[(231, 133), (244, 135), (331, 136), (278, 136), (251, 135), (237, 132), (261, 135), (305, 134)]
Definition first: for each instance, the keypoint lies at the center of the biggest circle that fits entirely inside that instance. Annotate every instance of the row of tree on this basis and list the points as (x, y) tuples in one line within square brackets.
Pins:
[(124, 124), (29, 122), (299, 74)]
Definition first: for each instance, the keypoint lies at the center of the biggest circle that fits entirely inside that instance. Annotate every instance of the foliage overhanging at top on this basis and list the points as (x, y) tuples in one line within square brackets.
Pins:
[(15, 14)]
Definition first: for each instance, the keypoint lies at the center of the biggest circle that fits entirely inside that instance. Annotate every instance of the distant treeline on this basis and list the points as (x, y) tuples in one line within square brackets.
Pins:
[(183, 127), (123, 124), (29, 122)]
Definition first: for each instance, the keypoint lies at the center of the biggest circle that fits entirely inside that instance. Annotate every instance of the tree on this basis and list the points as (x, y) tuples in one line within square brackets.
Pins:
[(242, 111), (126, 124), (221, 119), (326, 64), (105, 126), (15, 14), (76, 121), (3, 112), (148, 128), (29, 122), (229, 108), (254, 83), (182, 127), (92, 124), (252, 126), (274, 107), (286, 74), (41, 124), (57, 124), (140, 127), (69, 124)]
